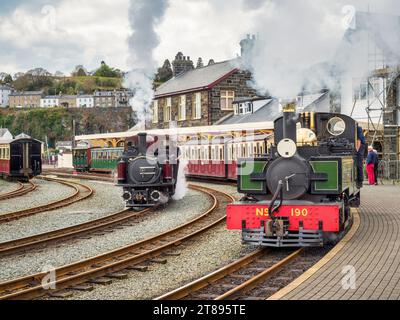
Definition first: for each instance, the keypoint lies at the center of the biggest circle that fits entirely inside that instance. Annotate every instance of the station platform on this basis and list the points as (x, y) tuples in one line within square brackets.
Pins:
[(365, 265)]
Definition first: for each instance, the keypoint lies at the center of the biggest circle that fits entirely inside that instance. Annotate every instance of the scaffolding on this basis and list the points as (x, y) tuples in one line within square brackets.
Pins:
[(381, 83)]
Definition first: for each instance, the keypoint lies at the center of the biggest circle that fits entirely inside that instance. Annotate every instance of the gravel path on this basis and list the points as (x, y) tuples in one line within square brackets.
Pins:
[(45, 193), (176, 213), (6, 186), (106, 200)]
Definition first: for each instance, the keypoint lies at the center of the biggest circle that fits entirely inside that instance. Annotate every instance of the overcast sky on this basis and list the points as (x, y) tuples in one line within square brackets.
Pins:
[(60, 34)]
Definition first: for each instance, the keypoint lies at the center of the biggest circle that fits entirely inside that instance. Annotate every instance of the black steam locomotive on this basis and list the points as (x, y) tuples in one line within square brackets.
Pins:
[(148, 171), (301, 192)]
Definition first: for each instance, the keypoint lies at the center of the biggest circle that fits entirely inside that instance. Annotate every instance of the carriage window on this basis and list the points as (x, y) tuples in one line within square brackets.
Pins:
[(221, 153)]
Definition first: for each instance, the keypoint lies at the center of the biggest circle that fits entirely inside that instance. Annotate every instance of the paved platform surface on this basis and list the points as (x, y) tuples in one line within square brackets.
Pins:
[(372, 252)]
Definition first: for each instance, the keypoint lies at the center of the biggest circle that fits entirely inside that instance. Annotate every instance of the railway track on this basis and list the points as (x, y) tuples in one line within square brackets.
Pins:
[(86, 176), (81, 230), (108, 265), (82, 192), (20, 191), (236, 280)]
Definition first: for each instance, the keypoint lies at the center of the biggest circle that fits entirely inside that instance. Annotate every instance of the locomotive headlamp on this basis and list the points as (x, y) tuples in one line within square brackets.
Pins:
[(287, 148)]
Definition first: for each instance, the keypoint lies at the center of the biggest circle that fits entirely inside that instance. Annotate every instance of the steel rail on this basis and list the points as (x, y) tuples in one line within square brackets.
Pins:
[(85, 228), (252, 283), (102, 265), (226, 271), (20, 191), (74, 198)]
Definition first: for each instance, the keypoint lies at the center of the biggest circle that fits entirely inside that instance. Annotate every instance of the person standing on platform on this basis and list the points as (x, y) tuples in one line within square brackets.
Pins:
[(371, 160), (376, 166), (360, 151)]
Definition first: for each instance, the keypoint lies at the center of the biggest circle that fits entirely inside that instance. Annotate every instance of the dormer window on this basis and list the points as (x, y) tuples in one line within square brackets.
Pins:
[(243, 108)]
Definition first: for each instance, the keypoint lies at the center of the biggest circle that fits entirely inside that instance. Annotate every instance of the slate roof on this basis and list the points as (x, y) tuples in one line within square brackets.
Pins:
[(3, 132), (27, 93), (197, 79), (270, 111)]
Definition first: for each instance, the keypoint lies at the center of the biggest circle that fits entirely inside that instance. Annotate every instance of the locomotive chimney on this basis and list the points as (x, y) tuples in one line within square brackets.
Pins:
[(290, 121), (142, 143)]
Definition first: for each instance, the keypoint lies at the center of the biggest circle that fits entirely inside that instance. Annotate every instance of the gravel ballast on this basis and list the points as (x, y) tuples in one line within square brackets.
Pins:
[(198, 257), (6, 187), (105, 201), (176, 213), (208, 252), (46, 192)]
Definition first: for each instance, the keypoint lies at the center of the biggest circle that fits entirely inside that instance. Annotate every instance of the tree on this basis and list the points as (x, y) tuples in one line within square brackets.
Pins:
[(200, 63), (106, 71), (165, 72), (5, 78), (8, 79), (39, 72), (18, 75), (79, 71)]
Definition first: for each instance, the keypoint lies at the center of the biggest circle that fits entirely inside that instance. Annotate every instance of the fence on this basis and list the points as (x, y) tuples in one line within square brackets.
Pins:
[(389, 170)]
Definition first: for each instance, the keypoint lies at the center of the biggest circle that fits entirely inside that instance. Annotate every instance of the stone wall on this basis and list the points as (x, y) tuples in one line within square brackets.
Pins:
[(238, 82), (211, 103)]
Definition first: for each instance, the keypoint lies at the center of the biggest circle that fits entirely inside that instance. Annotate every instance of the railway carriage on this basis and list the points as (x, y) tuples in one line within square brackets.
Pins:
[(105, 159), (21, 158), (96, 159), (299, 193), (217, 158), (82, 158)]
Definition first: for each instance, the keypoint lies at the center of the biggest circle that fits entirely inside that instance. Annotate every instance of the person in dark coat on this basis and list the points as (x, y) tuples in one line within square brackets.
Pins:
[(360, 151)]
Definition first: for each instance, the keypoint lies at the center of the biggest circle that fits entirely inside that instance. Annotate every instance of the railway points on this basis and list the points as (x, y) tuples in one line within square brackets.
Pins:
[(81, 192)]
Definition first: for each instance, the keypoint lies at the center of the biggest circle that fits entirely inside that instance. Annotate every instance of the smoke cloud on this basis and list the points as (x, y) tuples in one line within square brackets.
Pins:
[(144, 16), (302, 44)]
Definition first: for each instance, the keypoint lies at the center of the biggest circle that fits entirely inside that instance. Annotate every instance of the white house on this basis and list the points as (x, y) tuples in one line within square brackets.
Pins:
[(50, 102), (85, 101), (4, 93)]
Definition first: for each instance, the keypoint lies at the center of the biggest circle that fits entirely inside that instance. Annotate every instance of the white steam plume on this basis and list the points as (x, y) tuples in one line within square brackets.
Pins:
[(181, 185), (144, 16), (296, 36)]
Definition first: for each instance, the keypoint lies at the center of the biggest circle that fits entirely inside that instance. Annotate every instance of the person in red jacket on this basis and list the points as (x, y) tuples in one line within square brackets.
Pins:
[(371, 160)]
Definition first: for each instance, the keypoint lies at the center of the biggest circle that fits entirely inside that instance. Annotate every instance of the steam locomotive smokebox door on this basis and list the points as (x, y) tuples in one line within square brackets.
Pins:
[(142, 170)]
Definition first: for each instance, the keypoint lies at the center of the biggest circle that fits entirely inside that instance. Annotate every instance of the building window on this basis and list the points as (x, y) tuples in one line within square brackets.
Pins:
[(196, 108), (227, 98), (360, 90), (155, 111), (167, 110), (182, 108)]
